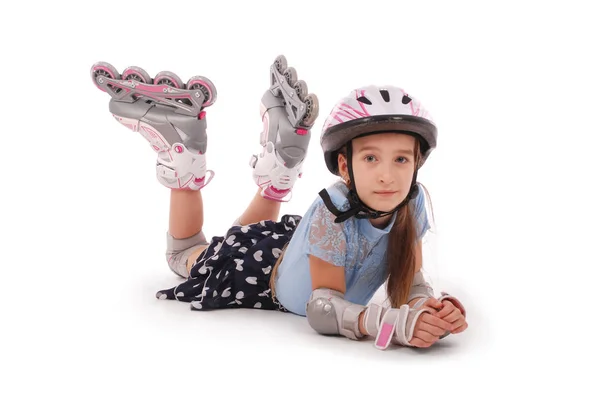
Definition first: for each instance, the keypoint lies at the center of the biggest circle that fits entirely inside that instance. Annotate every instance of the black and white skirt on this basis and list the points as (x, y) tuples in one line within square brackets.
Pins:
[(235, 270)]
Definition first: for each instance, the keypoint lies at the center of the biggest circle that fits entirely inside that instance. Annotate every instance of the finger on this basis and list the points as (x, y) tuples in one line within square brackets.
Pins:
[(446, 310), (425, 336), (436, 321), (433, 303), (454, 316), (458, 324), (461, 328), (436, 331), (417, 342), (430, 310)]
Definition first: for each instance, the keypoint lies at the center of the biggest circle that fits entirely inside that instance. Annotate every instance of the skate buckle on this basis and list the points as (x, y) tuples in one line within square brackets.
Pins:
[(301, 131)]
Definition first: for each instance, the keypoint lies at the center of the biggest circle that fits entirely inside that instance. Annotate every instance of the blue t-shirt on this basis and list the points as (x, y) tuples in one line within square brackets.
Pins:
[(355, 244)]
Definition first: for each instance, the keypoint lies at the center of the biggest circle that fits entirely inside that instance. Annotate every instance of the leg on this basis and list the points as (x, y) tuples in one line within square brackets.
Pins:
[(186, 217), (259, 209), (186, 214), (185, 239), (171, 116)]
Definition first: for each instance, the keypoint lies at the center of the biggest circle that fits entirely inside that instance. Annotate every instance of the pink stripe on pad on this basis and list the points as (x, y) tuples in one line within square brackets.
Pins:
[(384, 334)]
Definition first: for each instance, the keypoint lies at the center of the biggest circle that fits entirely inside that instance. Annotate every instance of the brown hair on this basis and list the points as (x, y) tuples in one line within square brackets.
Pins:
[(402, 241), (401, 257)]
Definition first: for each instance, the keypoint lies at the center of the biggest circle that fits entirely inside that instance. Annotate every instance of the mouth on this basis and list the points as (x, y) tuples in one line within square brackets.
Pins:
[(385, 193)]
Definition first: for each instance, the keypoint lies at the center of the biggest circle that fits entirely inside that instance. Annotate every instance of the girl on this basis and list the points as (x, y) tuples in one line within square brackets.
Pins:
[(357, 234)]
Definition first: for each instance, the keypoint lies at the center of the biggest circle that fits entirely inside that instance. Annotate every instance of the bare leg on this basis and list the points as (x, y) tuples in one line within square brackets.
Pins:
[(186, 215), (260, 209)]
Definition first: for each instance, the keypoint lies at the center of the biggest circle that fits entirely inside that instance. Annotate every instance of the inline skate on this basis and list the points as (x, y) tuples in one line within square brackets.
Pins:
[(288, 113), (169, 114)]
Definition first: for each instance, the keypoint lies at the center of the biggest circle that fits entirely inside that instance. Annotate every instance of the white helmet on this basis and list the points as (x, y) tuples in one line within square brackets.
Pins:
[(376, 109)]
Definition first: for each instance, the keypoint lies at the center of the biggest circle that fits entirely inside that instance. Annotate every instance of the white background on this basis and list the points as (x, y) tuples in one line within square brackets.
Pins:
[(514, 88)]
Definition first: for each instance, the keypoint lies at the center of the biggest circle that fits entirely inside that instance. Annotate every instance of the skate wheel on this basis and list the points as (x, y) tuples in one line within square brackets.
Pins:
[(136, 74), (281, 63), (290, 75), (206, 86), (168, 78), (312, 110), (301, 89), (102, 69)]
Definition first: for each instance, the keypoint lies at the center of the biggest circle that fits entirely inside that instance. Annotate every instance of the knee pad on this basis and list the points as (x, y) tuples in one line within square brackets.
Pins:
[(329, 313), (178, 251)]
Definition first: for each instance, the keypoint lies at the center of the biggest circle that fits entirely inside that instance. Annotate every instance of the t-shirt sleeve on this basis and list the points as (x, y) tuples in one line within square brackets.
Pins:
[(420, 212), (326, 239)]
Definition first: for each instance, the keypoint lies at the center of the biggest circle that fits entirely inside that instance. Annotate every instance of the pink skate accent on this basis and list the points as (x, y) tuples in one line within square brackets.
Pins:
[(275, 194), (207, 86), (130, 123), (201, 115), (101, 68), (163, 85), (178, 149), (157, 142), (384, 335), (128, 71), (300, 131)]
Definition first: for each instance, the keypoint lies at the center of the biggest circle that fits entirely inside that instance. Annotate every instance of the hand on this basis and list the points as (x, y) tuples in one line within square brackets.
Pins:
[(429, 327), (451, 314)]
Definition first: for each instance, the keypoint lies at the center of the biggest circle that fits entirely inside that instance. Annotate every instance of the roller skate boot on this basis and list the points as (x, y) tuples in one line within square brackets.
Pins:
[(171, 116), (288, 113)]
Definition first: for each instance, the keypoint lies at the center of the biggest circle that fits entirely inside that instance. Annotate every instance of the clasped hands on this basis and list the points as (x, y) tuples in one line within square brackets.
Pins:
[(444, 317)]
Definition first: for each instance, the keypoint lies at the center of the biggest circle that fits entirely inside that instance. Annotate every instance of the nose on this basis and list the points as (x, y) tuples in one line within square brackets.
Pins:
[(385, 174)]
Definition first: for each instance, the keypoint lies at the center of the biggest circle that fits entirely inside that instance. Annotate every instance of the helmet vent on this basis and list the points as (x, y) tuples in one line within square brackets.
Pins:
[(385, 95), (406, 99), (363, 99)]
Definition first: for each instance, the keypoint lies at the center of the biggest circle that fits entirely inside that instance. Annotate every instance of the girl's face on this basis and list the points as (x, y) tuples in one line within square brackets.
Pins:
[(383, 167)]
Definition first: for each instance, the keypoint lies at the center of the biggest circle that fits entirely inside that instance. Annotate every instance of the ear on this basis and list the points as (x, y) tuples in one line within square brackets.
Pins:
[(342, 165)]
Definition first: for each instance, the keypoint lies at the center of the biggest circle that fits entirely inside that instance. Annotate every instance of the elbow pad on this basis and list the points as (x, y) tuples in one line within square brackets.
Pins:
[(329, 313)]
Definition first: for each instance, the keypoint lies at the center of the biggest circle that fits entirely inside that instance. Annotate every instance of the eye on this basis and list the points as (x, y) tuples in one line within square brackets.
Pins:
[(369, 158), (402, 159)]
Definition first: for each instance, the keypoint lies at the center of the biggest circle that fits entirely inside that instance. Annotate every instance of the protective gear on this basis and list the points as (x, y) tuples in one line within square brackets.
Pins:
[(420, 288), (366, 111), (179, 249), (288, 113), (391, 325), (329, 313), (371, 110), (169, 114), (270, 173)]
